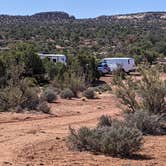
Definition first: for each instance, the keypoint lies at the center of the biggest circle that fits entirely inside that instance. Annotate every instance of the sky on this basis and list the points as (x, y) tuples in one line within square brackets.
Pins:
[(81, 8)]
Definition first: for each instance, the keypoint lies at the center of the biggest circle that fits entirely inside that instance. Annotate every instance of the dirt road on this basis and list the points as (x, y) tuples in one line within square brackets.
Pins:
[(33, 140)]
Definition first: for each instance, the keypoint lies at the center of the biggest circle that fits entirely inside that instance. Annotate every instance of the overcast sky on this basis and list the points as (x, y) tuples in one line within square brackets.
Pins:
[(81, 8)]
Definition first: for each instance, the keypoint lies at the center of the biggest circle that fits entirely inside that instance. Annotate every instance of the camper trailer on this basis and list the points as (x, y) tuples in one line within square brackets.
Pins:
[(127, 64), (54, 57)]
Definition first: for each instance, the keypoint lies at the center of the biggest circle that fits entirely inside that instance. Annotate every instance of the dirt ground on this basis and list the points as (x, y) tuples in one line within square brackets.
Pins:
[(38, 139)]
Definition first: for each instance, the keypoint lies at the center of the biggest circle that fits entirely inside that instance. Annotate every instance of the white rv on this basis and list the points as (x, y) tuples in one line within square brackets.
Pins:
[(54, 57), (127, 64)]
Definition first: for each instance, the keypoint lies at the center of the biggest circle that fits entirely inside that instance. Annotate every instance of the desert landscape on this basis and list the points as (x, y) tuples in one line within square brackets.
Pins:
[(39, 139), (83, 83)]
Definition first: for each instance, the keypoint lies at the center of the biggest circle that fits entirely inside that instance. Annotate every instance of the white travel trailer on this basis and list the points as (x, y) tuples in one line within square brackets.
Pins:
[(127, 64), (54, 57)]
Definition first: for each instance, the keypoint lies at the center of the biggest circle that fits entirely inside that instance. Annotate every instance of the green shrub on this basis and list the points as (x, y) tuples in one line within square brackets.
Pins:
[(152, 91), (18, 109), (105, 87), (148, 124), (117, 140), (49, 95), (121, 140), (11, 97), (105, 121), (118, 75), (67, 94), (76, 85), (164, 68), (89, 93), (30, 100), (102, 88), (83, 139), (51, 68), (127, 93), (18, 90), (43, 107), (70, 81), (161, 68)]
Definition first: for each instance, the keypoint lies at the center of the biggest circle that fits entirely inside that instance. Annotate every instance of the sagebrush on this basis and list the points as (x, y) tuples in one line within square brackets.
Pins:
[(116, 140), (147, 94)]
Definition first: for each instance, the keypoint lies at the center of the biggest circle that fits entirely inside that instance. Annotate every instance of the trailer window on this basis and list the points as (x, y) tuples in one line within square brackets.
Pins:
[(54, 60), (129, 61)]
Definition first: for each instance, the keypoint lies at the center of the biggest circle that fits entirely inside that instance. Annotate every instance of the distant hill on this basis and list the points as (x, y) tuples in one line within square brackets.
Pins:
[(51, 17), (37, 18), (137, 35), (137, 16)]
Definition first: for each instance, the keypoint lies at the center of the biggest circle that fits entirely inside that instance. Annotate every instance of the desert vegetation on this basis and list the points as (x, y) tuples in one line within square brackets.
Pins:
[(116, 139), (84, 42), (144, 114), (34, 85), (26, 80), (141, 38)]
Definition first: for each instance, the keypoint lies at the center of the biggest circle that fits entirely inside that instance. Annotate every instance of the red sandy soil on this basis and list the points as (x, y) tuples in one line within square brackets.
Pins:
[(39, 139)]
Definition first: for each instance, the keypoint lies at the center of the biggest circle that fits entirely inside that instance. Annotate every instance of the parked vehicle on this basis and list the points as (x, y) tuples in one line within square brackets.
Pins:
[(54, 57), (127, 64), (103, 68)]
